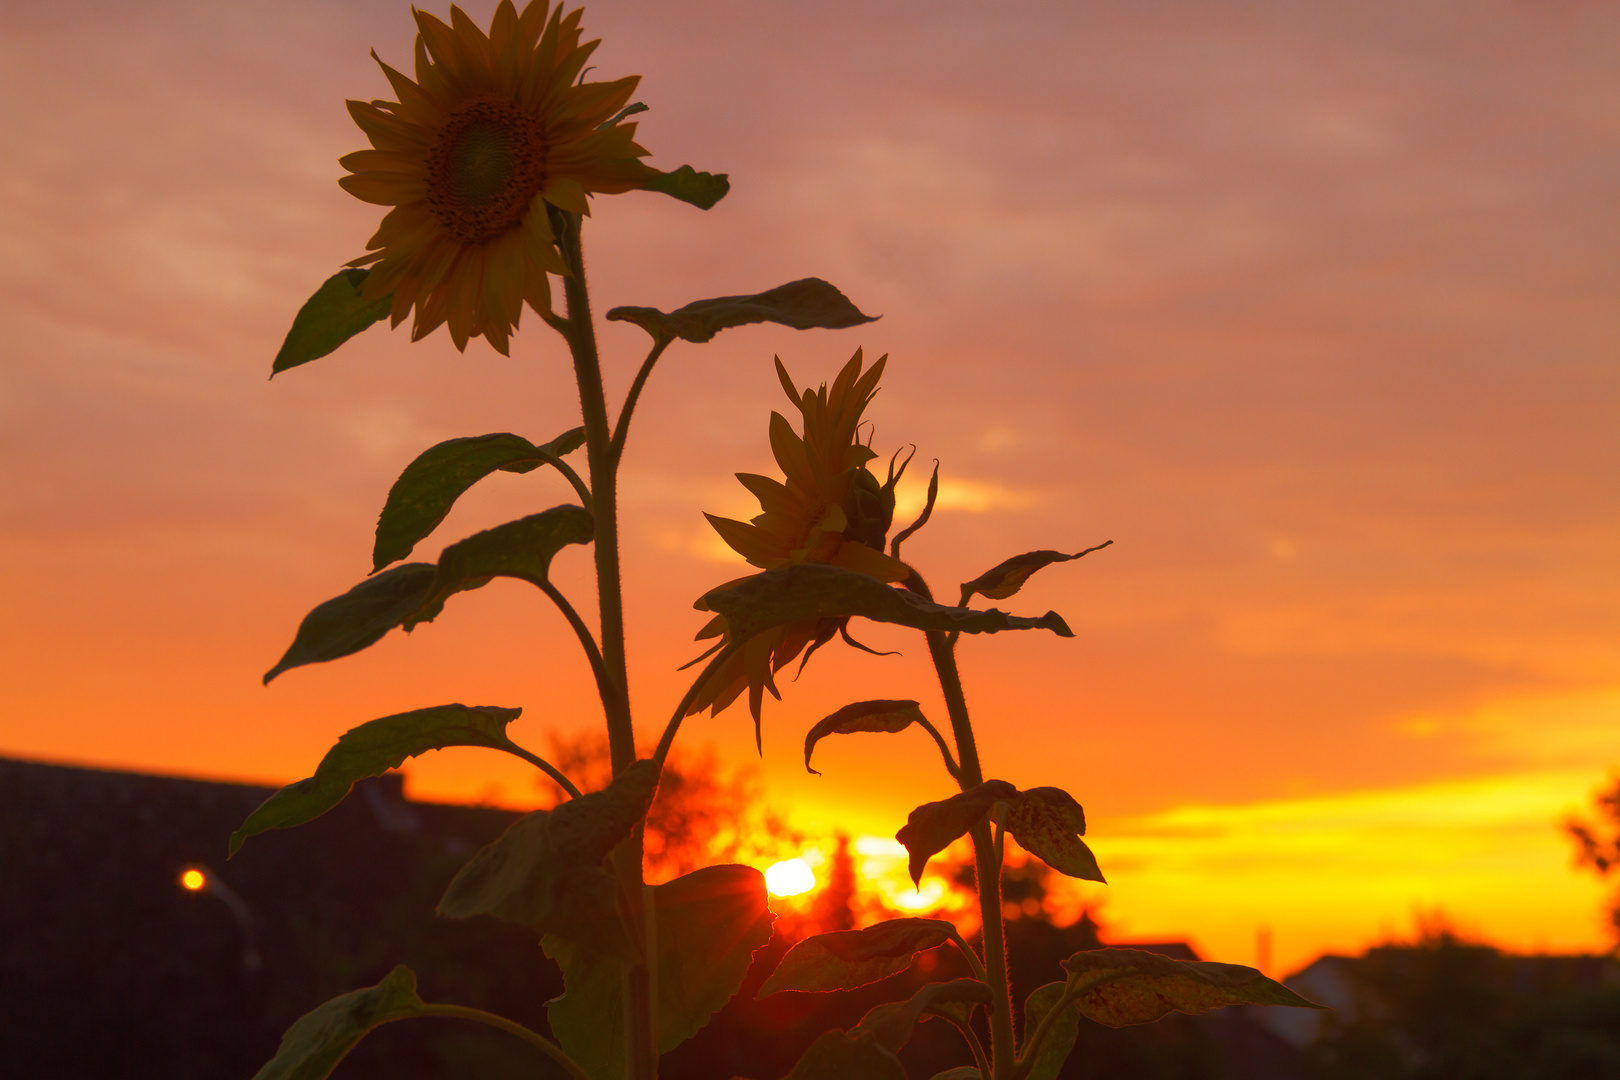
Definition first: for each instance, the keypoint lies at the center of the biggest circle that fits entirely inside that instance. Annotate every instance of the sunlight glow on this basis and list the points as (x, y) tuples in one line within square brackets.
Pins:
[(790, 877), (193, 880)]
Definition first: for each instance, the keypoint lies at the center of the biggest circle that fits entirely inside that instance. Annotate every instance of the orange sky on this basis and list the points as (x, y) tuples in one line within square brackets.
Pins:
[(1312, 311)]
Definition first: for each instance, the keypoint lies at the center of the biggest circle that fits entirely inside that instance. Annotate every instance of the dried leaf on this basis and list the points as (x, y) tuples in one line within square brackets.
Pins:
[(1004, 579)]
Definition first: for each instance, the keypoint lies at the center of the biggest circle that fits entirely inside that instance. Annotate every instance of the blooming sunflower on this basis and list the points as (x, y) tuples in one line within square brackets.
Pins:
[(828, 509), (493, 130)]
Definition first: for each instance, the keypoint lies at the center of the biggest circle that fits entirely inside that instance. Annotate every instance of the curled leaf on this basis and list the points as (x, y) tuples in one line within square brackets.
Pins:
[(1117, 987), (846, 959), (1048, 823), (425, 492), (803, 305), (371, 750), (321, 1038), (932, 826), (1004, 579), (360, 617), (332, 316), (545, 872), (880, 715)]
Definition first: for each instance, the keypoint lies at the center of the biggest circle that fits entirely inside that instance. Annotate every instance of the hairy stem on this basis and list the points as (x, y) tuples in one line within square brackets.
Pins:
[(641, 1052), (986, 864), (533, 1038)]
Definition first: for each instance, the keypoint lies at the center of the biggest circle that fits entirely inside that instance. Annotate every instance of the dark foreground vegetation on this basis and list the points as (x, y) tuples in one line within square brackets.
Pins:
[(109, 968)]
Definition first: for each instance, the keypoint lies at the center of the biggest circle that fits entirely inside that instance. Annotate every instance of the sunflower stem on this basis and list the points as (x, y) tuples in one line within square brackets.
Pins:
[(641, 1052), (987, 863)]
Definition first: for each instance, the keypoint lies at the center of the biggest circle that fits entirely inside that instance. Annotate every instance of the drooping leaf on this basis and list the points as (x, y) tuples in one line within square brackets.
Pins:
[(332, 316), (319, 1039), (1060, 1035), (1048, 823), (837, 1056), (845, 959), (521, 549), (820, 590), (701, 189), (881, 715), (1117, 987), (709, 924), (371, 750), (892, 1024), (545, 872), (803, 305), (360, 617), (427, 489), (1004, 579), (931, 827)]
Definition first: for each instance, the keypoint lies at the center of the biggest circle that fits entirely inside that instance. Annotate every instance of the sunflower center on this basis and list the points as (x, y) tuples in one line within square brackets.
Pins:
[(489, 164)]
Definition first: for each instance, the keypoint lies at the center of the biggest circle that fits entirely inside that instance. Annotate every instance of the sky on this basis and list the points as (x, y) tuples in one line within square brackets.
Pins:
[(1311, 309)]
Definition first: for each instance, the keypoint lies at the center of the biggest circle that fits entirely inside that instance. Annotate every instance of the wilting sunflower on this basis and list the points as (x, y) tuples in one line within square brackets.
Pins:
[(829, 509), (493, 130)]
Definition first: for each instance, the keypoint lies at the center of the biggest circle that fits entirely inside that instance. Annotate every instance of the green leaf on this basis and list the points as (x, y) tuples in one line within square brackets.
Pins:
[(332, 316), (521, 549), (803, 305), (320, 1038), (360, 617), (1128, 986), (837, 1056), (1060, 1035), (1004, 579), (931, 827), (701, 189), (820, 590), (1048, 823), (371, 750), (709, 924), (882, 715), (427, 489), (845, 959), (545, 872), (892, 1024)]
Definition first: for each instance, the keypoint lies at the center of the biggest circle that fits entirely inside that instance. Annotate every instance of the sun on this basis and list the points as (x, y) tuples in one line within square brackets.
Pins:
[(790, 877)]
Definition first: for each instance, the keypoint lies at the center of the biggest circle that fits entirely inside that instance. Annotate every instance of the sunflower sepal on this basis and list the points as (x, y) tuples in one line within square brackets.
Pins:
[(336, 312)]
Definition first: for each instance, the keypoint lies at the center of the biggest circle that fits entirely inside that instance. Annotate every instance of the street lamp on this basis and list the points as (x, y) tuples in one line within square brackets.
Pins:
[(200, 879)]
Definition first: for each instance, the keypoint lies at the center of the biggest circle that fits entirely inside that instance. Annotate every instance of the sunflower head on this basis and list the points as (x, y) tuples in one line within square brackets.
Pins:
[(828, 508), (492, 135)]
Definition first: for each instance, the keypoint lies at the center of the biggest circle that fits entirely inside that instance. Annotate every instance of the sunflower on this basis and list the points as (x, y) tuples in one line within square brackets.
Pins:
[(828, 509), (493, 131)]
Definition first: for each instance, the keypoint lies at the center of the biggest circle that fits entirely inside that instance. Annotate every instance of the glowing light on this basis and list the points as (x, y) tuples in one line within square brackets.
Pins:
[(931, 894), (790, 877), (193, 880)]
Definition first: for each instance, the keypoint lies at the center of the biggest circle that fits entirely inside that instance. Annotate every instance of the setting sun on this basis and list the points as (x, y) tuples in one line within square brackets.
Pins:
[(193, 880), (790, 877)]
